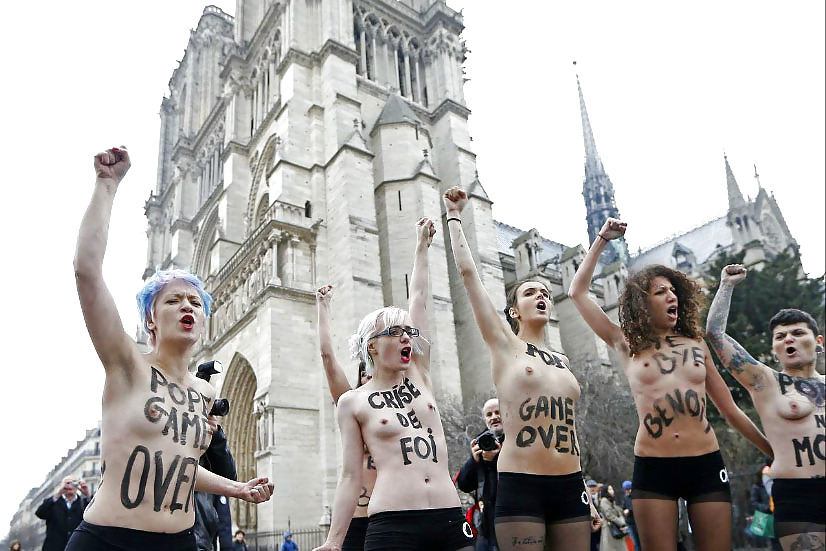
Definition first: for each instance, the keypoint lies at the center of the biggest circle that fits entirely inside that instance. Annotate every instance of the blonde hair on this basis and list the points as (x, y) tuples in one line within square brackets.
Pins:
[(374, 323)]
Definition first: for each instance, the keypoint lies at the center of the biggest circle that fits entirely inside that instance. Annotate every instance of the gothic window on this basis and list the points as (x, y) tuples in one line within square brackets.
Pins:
[(308, 210), (606, 198), (739, 224), (261, 212), (400, 59)]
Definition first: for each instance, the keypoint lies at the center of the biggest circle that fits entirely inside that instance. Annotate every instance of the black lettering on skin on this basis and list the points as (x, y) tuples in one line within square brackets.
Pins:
[(157, 379), (432, 444), (698, 355), (172, 421), (388, 399), (397, 395), (371, 465), (152, 412), (364, 498), (541, 406), (406, 448), (653, 425), (205, 403), (704, 416), (525, 412), (690, 395), (187, 422), (659, 357), (414, 421), (127, 477), (662, 413), (569, 411), (799, 447), (193, 396), (524, 441), (403, 419), (161, 482), (422, 454), (813, 390), (676, 402), (820, 421), (549, 359), (207, 436), (373, 404), (182, 477), (672, 343), (415, 392), (406, 397), (173, 388), (546, 436), (556, 408), (574, 447), (561, 436)]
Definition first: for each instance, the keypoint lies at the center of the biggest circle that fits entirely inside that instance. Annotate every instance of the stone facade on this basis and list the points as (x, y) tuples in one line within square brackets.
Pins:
[(300, 142)]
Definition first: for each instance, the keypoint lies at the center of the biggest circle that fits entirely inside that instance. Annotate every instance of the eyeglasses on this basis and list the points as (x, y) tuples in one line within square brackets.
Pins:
[(397, 330)]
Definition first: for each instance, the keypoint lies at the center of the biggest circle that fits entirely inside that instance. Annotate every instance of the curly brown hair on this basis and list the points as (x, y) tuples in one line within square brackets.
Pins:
[(635, 319)]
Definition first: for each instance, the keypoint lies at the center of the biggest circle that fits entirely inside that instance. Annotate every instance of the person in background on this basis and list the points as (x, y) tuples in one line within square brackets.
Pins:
[(289, 544), (612, 513), (63, 512), (628, 511), (238, 543), (15, 546)]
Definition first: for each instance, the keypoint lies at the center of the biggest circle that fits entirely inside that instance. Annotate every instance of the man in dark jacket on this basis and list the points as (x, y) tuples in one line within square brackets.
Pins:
[(217, 459), (479, 474), (63, 512)]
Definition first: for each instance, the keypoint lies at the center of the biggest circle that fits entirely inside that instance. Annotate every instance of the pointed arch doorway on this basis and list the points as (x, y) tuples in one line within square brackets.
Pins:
[(239, 387)]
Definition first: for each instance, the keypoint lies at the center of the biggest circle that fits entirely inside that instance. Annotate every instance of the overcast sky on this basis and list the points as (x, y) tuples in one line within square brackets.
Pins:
[(669, 87)]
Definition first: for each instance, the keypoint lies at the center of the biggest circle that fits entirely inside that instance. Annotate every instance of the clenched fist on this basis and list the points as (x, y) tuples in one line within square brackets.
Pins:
[(112, 164)]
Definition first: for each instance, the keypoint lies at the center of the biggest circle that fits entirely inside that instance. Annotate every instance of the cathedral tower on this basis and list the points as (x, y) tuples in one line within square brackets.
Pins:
[(598, 191)]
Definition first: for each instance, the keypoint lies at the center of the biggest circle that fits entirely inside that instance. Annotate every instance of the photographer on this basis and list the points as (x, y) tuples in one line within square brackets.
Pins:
[(63, 512), (217, 459), (479, 473)]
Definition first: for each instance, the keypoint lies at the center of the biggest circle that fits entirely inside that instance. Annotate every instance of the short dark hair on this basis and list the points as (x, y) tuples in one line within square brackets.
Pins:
[(789, 316), (239, 532)]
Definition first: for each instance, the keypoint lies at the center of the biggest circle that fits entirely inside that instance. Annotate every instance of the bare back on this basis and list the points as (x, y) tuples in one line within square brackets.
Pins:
[(153, 433), (402, 429), (537, 398), (668, 384)]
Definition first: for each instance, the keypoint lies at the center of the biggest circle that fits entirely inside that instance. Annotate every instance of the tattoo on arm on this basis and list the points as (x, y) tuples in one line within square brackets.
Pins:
[(739, 357), (718, 317)]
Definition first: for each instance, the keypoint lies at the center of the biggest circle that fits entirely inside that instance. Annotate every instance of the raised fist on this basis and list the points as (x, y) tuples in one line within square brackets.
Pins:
[(733, 274), (425, 230), (324, 294), (256, 490), (112, 164), (455, 200), (612, 229)]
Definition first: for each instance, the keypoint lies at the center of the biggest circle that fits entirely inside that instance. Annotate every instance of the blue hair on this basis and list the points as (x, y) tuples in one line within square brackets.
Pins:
[(147, 295)]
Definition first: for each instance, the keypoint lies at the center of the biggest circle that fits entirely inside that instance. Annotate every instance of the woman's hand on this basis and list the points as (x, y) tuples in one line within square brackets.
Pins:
[(112, 164), (425, 230), (455, 200), (612, 229)]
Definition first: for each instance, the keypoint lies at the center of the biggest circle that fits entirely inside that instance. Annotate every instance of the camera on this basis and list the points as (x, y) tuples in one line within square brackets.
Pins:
[(206, 370), (487, 440)]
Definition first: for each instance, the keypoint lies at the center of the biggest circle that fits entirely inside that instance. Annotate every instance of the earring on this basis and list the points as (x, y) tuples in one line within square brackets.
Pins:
[(512, 313), (774, 357)]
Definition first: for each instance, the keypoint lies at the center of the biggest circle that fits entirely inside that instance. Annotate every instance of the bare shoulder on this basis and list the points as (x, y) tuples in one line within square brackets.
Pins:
[(203, 387)]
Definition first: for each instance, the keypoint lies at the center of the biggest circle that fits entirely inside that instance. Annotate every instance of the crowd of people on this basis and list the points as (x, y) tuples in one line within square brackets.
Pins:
[(525, 470)]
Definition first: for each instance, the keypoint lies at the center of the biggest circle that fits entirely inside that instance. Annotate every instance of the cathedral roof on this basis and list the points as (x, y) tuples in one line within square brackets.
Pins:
[(702, 241), (397, 111), (505, 235)]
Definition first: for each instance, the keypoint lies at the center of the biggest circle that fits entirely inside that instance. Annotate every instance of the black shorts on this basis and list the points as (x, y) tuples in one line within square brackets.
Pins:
[(695, 479), (419, 530), (549, 498), (354, 540), (91, 537), (799, 501)]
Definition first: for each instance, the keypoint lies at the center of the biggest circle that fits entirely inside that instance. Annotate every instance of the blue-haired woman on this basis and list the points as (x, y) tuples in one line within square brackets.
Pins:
[(156, 421)]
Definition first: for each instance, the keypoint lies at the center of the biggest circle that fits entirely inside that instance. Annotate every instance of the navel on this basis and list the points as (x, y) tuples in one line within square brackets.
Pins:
[(529, 370)]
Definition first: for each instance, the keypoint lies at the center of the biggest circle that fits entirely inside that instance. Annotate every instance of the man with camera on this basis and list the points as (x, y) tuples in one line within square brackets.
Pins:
[(479, 473), (63, 512)]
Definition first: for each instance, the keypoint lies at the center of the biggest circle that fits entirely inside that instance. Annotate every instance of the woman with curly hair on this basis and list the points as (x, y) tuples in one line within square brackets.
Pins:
[(661, 350)]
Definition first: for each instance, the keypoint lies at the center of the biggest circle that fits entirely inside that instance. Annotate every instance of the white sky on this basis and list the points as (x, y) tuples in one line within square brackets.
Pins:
[(668, 88)]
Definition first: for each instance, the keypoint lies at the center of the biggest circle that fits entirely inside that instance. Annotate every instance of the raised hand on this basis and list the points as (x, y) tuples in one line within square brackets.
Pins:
[(324, 294), (733, 274), (612, 229), (455, 200), (256, 490), (425, 230), (112, 164)]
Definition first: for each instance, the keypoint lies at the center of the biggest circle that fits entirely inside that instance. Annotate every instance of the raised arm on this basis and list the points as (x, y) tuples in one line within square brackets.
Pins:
[(349, 485), (256, 490), (419, 287), (749, 372), (113, 345), (493, 328), (720, 395), (336, 379), (594, 316)]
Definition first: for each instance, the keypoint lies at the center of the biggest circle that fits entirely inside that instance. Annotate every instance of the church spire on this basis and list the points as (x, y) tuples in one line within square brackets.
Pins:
[(593, 164), (597, 190), (735, 198)]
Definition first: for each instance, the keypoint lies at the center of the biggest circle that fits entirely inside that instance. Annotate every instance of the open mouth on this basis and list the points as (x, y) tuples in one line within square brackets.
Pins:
[(790, 350), (672, 312), (405, 353), (188, 321), (541, 306)]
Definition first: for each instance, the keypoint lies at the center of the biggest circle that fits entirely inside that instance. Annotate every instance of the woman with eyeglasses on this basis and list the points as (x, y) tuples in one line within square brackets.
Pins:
[(542, 502), (414, 505)]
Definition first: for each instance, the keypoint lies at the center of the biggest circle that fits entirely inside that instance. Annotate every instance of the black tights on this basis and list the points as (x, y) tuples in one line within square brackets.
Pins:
[(526, 533), (657, 524), (800, 536)]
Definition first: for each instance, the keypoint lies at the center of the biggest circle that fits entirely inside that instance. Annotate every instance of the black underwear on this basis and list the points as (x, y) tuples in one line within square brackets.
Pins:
[(354, 540), (798, 505), (695, 479), (548, 498), (91, 537), (419, 530)]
